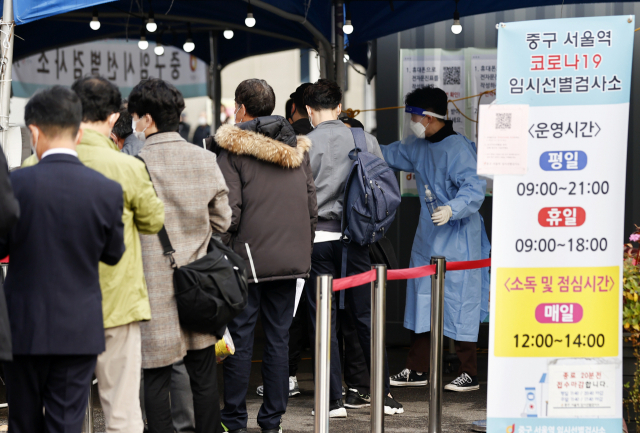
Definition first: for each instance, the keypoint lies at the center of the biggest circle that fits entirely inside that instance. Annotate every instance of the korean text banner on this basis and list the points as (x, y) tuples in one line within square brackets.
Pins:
[(555, 349), (26, 11), (121, 62)]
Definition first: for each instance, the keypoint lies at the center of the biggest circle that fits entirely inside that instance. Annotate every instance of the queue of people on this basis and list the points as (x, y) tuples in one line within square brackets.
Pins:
[(90, 292)]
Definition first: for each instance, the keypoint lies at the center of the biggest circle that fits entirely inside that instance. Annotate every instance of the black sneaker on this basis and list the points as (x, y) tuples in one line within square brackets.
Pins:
[(336, 409), (463, 383), (409, 378), (273, 430), (391, 406), (355, 400)]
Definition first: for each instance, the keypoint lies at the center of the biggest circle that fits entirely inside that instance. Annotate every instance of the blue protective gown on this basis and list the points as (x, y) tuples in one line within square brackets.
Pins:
[(449, 168)]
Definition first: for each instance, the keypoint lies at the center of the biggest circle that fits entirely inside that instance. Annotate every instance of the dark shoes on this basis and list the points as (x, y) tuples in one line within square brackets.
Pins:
[(336, 409), (355, 400), (409, 378), (463, 383), (391, 406)]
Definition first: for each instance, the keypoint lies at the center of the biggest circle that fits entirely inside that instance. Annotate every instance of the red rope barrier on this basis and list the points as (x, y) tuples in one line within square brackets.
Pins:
[(354, 281), (406, 274)]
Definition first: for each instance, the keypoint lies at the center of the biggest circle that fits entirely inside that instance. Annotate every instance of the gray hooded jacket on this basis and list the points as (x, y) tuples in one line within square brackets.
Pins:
[(332, 142)]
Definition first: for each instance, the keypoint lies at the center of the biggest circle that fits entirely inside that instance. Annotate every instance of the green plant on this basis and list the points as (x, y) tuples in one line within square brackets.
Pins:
[(631, 318)]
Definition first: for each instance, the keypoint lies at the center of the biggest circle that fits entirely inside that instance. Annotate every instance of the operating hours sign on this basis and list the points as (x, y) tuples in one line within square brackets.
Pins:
[(555, 351)]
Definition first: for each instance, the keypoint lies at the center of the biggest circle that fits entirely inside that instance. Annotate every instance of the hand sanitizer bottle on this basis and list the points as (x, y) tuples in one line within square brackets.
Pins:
[(430, 199)]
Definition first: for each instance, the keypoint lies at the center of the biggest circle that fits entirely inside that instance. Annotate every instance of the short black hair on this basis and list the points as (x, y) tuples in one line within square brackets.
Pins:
[(323, 95), (287, 108), (298, 98), (55, 111), (100, 98), (257, 96), (159, 99), (122, 128), (431, 99)]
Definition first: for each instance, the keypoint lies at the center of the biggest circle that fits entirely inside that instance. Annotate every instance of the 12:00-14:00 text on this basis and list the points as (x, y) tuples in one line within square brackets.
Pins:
[(548, 340)]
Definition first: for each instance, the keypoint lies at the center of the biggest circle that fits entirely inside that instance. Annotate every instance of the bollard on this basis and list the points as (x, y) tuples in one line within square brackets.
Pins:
[(324, 291), (378, 319), (437, 308), (87, 425)]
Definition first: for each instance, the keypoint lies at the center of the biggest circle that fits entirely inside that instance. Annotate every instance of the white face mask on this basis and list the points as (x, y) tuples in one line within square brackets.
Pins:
[(418, 129), (34, 146), (235, 114), (309, 113), (202, 120), (139, 135)]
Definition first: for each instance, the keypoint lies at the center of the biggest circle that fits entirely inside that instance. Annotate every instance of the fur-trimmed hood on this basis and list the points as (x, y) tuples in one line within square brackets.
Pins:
[(244, 141)]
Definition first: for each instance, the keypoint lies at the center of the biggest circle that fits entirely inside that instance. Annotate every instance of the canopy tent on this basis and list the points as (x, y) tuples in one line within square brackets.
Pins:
[(281, 24)]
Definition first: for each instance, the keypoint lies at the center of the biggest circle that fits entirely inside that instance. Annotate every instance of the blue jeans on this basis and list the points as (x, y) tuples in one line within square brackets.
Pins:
[(275, 301)]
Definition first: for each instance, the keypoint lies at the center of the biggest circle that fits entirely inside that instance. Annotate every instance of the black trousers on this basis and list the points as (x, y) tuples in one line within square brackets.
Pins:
[(275, 301), (299, 334), (354, 364), (59, 383), (201, 366), (327, 259), (419, 358)]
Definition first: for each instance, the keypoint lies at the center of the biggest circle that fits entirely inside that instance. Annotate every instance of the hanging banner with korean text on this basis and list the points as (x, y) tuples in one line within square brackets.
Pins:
[(121, 62), (555, 350)]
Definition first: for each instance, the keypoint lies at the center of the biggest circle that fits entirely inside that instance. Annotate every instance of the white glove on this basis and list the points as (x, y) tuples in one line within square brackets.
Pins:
[(442, 215)]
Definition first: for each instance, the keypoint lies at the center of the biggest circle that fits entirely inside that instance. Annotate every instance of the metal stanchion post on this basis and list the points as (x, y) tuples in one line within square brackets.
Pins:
[(378, 319), (324, 289), (437, 307), (87, 425)]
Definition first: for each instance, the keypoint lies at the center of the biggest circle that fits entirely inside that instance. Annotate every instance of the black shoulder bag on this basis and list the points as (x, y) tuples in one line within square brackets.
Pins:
[(210, 291)]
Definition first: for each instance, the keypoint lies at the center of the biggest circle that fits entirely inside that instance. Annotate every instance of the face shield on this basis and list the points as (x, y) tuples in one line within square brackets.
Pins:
[(414, 122)]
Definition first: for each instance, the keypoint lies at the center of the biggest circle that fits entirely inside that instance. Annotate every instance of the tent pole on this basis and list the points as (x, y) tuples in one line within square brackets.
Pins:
[(214, 78), (323, 63), (7, 60), (339, 46)]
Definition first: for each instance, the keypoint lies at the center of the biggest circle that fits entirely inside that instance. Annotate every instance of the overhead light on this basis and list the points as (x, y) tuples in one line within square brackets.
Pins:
[(95, 23), (159, 49), (250, 21), (456, 27), (151, 22), (143, 44), (189, 45), (348, 27), (346, 57), (228, 34)]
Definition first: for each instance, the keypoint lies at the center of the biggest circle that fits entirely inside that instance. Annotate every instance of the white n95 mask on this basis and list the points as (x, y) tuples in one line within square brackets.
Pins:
[(418, 129)]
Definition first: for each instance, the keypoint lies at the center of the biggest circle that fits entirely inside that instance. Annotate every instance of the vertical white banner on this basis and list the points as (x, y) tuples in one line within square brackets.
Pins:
[(555, 350)]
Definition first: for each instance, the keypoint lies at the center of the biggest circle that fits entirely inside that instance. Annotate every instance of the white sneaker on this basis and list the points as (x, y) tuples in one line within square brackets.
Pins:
[(294, 389)]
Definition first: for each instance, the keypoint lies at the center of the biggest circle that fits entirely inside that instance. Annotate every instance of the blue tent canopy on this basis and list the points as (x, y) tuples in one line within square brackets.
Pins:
[(47, 24)]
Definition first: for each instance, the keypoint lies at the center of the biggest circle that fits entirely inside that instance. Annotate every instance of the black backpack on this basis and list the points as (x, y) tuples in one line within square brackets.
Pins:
[(211, 291)]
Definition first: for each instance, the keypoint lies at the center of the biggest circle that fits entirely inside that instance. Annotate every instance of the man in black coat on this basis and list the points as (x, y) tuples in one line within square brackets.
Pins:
[(71, 219), (9, 213)]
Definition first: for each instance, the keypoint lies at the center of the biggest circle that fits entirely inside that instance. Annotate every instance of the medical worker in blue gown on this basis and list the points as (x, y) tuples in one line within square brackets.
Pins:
[(444, 164)]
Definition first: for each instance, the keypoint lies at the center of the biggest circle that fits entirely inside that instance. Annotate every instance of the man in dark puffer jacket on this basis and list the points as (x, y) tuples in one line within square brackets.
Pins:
[(274, 215)]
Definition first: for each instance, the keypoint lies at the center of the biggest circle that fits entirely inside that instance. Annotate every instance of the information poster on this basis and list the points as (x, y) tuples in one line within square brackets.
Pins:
[(481, 77), (120, 62), (555, 350)]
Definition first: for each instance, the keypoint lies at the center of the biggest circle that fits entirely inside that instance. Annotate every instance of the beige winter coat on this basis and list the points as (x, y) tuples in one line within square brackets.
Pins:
[(189, 182)]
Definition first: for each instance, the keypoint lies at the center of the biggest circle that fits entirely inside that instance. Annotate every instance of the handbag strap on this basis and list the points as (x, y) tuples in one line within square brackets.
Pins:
[(167, 249)]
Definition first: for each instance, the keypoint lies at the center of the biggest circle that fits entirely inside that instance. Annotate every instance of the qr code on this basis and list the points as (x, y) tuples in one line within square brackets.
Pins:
[(451, 75), (503, 120)]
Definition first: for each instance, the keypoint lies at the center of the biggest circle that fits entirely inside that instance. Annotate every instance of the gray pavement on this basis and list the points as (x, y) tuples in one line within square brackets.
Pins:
[(458, 411)]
